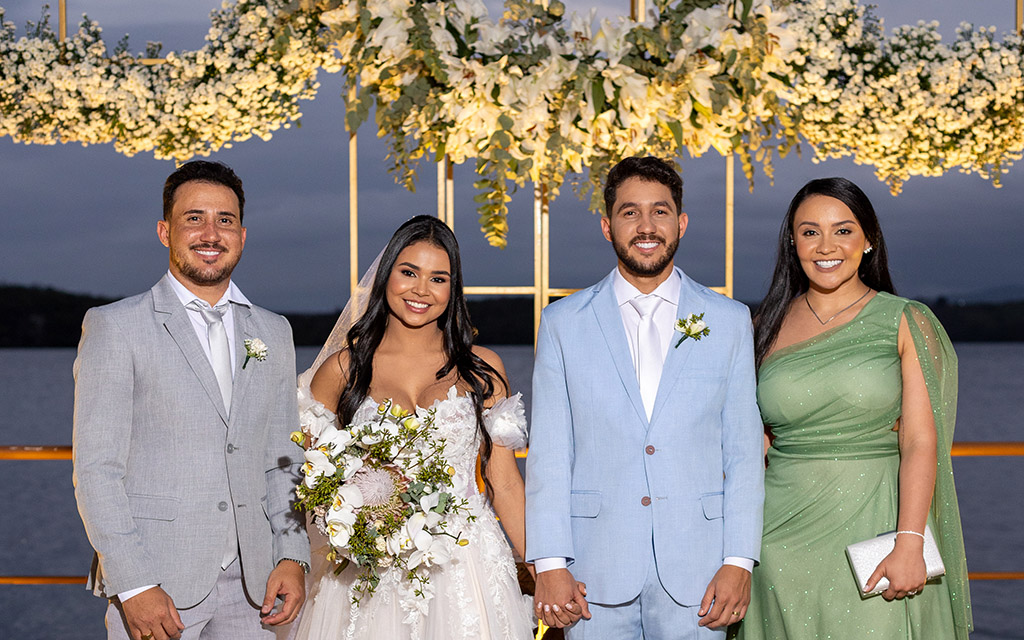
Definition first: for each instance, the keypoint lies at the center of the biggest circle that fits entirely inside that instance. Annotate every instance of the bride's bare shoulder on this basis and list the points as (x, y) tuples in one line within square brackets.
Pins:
[(329, 380)]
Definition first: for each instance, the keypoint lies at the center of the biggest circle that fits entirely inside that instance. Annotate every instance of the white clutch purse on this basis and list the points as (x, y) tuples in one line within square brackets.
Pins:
[(865, 555)]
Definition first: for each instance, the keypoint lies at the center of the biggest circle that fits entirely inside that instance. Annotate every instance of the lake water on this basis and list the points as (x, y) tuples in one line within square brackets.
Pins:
[(40, 532)]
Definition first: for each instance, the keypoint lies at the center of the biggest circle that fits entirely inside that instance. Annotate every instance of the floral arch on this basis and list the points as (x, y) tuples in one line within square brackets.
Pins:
[(537, 95)]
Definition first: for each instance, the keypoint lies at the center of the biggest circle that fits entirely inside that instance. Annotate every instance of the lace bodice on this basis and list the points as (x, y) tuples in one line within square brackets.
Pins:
[(455, 421)]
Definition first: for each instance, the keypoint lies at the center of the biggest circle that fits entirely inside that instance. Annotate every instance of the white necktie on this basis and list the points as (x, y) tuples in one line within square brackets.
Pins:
[(220, 359), (649, 356), (220, 355)]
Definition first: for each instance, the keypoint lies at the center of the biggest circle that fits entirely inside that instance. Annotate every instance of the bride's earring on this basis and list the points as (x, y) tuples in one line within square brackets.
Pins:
[(868, 250)]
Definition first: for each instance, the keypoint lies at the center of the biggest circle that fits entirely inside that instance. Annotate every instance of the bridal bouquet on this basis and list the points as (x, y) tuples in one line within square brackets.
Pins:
[(379, 492)]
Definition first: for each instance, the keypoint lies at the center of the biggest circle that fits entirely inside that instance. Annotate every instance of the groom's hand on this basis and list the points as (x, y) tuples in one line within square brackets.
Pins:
[(559, 599), (726, 598), (151, 615), (287, 581)]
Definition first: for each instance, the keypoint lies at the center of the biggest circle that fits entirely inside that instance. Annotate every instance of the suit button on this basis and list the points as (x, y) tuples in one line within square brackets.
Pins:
[(646, 501), (649, 449), (223, 506), (231, 448)]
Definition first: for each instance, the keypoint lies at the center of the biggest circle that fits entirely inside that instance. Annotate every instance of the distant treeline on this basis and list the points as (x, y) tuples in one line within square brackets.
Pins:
[(43, 317)]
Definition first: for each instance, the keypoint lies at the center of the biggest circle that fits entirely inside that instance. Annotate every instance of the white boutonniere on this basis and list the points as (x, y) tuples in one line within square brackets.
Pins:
[(255, 348), (692, 327)]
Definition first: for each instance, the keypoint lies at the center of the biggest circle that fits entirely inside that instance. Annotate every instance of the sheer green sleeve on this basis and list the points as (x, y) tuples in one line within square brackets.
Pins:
[(939, 365)]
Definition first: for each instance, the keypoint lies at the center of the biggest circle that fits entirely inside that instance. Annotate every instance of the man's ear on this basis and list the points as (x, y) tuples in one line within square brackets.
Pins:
[(606, 228), (163, 231)]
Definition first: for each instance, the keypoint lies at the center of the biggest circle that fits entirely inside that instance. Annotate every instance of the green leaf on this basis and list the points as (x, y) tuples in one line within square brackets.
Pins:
[(677, 132), (599, 97)]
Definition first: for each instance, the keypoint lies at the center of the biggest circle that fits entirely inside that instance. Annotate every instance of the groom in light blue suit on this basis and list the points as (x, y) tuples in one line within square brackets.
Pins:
[(645, 471)]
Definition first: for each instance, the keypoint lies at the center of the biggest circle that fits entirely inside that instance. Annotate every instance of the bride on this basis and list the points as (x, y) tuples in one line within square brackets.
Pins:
[(413, 344)]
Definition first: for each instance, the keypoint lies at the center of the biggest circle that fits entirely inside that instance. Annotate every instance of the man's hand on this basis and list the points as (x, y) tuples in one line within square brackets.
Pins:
[(726, 599), (287, 581), (151, 615), (559, 598)]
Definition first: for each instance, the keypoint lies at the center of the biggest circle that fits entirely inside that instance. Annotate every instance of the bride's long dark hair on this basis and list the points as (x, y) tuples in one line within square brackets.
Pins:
[(366, 334), (789, 279)]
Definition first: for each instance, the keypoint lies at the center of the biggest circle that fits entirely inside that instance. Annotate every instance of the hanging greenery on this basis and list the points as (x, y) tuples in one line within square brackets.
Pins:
[(537, 95)]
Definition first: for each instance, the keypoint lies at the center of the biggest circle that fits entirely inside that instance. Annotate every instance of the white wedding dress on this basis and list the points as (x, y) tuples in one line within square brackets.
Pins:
[(476, 596)]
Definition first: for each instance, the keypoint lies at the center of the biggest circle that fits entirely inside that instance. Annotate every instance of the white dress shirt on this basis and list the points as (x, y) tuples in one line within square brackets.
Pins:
[(665, 319), (232, 295)]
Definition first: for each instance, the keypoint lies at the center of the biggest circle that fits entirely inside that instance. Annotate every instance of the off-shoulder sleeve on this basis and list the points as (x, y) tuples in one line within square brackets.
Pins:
[(506, 422), (314, 417), (938, 363)]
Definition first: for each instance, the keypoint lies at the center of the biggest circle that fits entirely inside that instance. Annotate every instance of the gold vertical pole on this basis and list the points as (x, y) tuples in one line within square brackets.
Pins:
[(62, 20), (539, 267), (353, 204), (730, 207), (637, 10), (1020, 17), (440, 189), (449, 192)]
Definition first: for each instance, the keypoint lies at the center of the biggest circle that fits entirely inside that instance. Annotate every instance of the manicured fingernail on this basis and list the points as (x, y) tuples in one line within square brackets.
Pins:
[(555, 607), (547, 608)]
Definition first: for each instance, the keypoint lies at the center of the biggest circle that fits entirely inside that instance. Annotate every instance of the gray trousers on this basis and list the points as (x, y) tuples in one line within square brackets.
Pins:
[(225, 614)]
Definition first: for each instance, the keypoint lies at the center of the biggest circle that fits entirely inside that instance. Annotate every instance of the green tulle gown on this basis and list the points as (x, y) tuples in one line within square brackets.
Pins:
[(832, 479)]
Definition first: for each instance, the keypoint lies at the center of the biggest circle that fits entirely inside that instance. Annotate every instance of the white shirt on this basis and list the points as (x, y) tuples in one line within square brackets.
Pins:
[(665, 320), (232, 295)]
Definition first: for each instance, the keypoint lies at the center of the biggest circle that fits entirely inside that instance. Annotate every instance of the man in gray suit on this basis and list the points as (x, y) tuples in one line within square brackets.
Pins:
[(183, 470)]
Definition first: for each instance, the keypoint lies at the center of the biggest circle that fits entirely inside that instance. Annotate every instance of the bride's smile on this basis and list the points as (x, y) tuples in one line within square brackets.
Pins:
[(420, 284)]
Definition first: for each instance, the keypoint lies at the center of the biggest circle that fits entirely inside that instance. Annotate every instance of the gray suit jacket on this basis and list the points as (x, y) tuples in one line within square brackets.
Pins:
[(160, 468)]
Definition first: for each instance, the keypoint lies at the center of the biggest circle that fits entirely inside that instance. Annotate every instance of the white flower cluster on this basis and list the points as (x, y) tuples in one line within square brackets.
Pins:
[(381, 494), (257, 63), (907, 104), (534, 95)]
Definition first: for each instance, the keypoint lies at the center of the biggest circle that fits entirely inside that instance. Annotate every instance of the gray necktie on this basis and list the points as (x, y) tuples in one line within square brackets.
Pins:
[(649, 355), (220, 354)]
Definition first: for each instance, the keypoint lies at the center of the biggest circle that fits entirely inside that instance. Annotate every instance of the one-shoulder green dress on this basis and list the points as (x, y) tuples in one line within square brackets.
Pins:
[(832, 479)]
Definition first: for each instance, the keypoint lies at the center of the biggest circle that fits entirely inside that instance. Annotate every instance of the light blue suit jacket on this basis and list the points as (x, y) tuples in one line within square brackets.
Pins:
[(589, 466)]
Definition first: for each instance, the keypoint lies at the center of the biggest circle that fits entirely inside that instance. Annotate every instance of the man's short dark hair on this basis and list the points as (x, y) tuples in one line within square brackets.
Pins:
[(203, 171), (647, 168)]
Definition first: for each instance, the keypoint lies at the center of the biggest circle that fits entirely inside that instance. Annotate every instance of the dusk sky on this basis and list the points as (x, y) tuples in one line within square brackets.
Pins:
[(84, 219)]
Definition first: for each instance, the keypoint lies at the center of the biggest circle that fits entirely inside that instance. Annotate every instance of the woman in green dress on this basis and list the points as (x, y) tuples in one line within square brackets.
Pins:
[(857, 388)]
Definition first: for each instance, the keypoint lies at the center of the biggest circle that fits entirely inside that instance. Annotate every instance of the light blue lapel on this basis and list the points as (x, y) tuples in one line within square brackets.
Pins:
[(178, 325), (690, 301), (243, 372), (609, 318)]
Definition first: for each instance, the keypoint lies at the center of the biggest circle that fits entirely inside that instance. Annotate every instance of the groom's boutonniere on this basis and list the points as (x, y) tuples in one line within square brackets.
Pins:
[(255, 348), (692, 327)]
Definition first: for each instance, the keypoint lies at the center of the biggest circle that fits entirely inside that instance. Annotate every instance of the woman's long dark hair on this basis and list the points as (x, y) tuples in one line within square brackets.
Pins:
[(789, 279), (366, 334)]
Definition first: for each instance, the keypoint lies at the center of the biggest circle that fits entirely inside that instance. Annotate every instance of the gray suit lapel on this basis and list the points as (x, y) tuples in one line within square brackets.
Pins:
[(609, 319), (690, 301), (175, 317), (243, 371)]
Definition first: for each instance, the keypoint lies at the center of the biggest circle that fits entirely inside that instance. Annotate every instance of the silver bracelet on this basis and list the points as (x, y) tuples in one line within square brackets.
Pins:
[(913, 533)]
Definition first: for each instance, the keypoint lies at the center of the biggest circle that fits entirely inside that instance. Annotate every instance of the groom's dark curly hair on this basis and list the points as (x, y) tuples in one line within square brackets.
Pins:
[(203, 171), (648, 169)]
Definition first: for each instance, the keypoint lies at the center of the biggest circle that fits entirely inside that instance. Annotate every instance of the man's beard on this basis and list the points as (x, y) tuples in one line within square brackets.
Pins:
[(209, 275), (641, 269)]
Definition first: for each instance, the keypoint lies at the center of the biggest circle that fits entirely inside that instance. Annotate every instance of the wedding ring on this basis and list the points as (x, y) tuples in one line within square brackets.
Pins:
[(735, 613), (148, 636)]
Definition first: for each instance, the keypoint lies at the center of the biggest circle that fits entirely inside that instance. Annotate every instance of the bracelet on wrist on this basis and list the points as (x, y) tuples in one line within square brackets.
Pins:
[(913, 533)]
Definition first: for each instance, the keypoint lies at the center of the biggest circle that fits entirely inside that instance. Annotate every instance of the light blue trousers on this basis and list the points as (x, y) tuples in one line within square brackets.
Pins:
[(652, 615)]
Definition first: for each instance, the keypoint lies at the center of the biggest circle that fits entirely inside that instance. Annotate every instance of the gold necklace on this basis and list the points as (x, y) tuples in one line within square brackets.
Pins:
[(824, 322)]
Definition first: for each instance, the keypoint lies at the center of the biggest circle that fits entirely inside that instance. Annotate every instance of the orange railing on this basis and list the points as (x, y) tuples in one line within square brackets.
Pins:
[(964, 449)]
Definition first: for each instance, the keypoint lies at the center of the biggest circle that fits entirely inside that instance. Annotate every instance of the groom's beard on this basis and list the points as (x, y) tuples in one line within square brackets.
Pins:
[(652, 266), (203, 274)]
